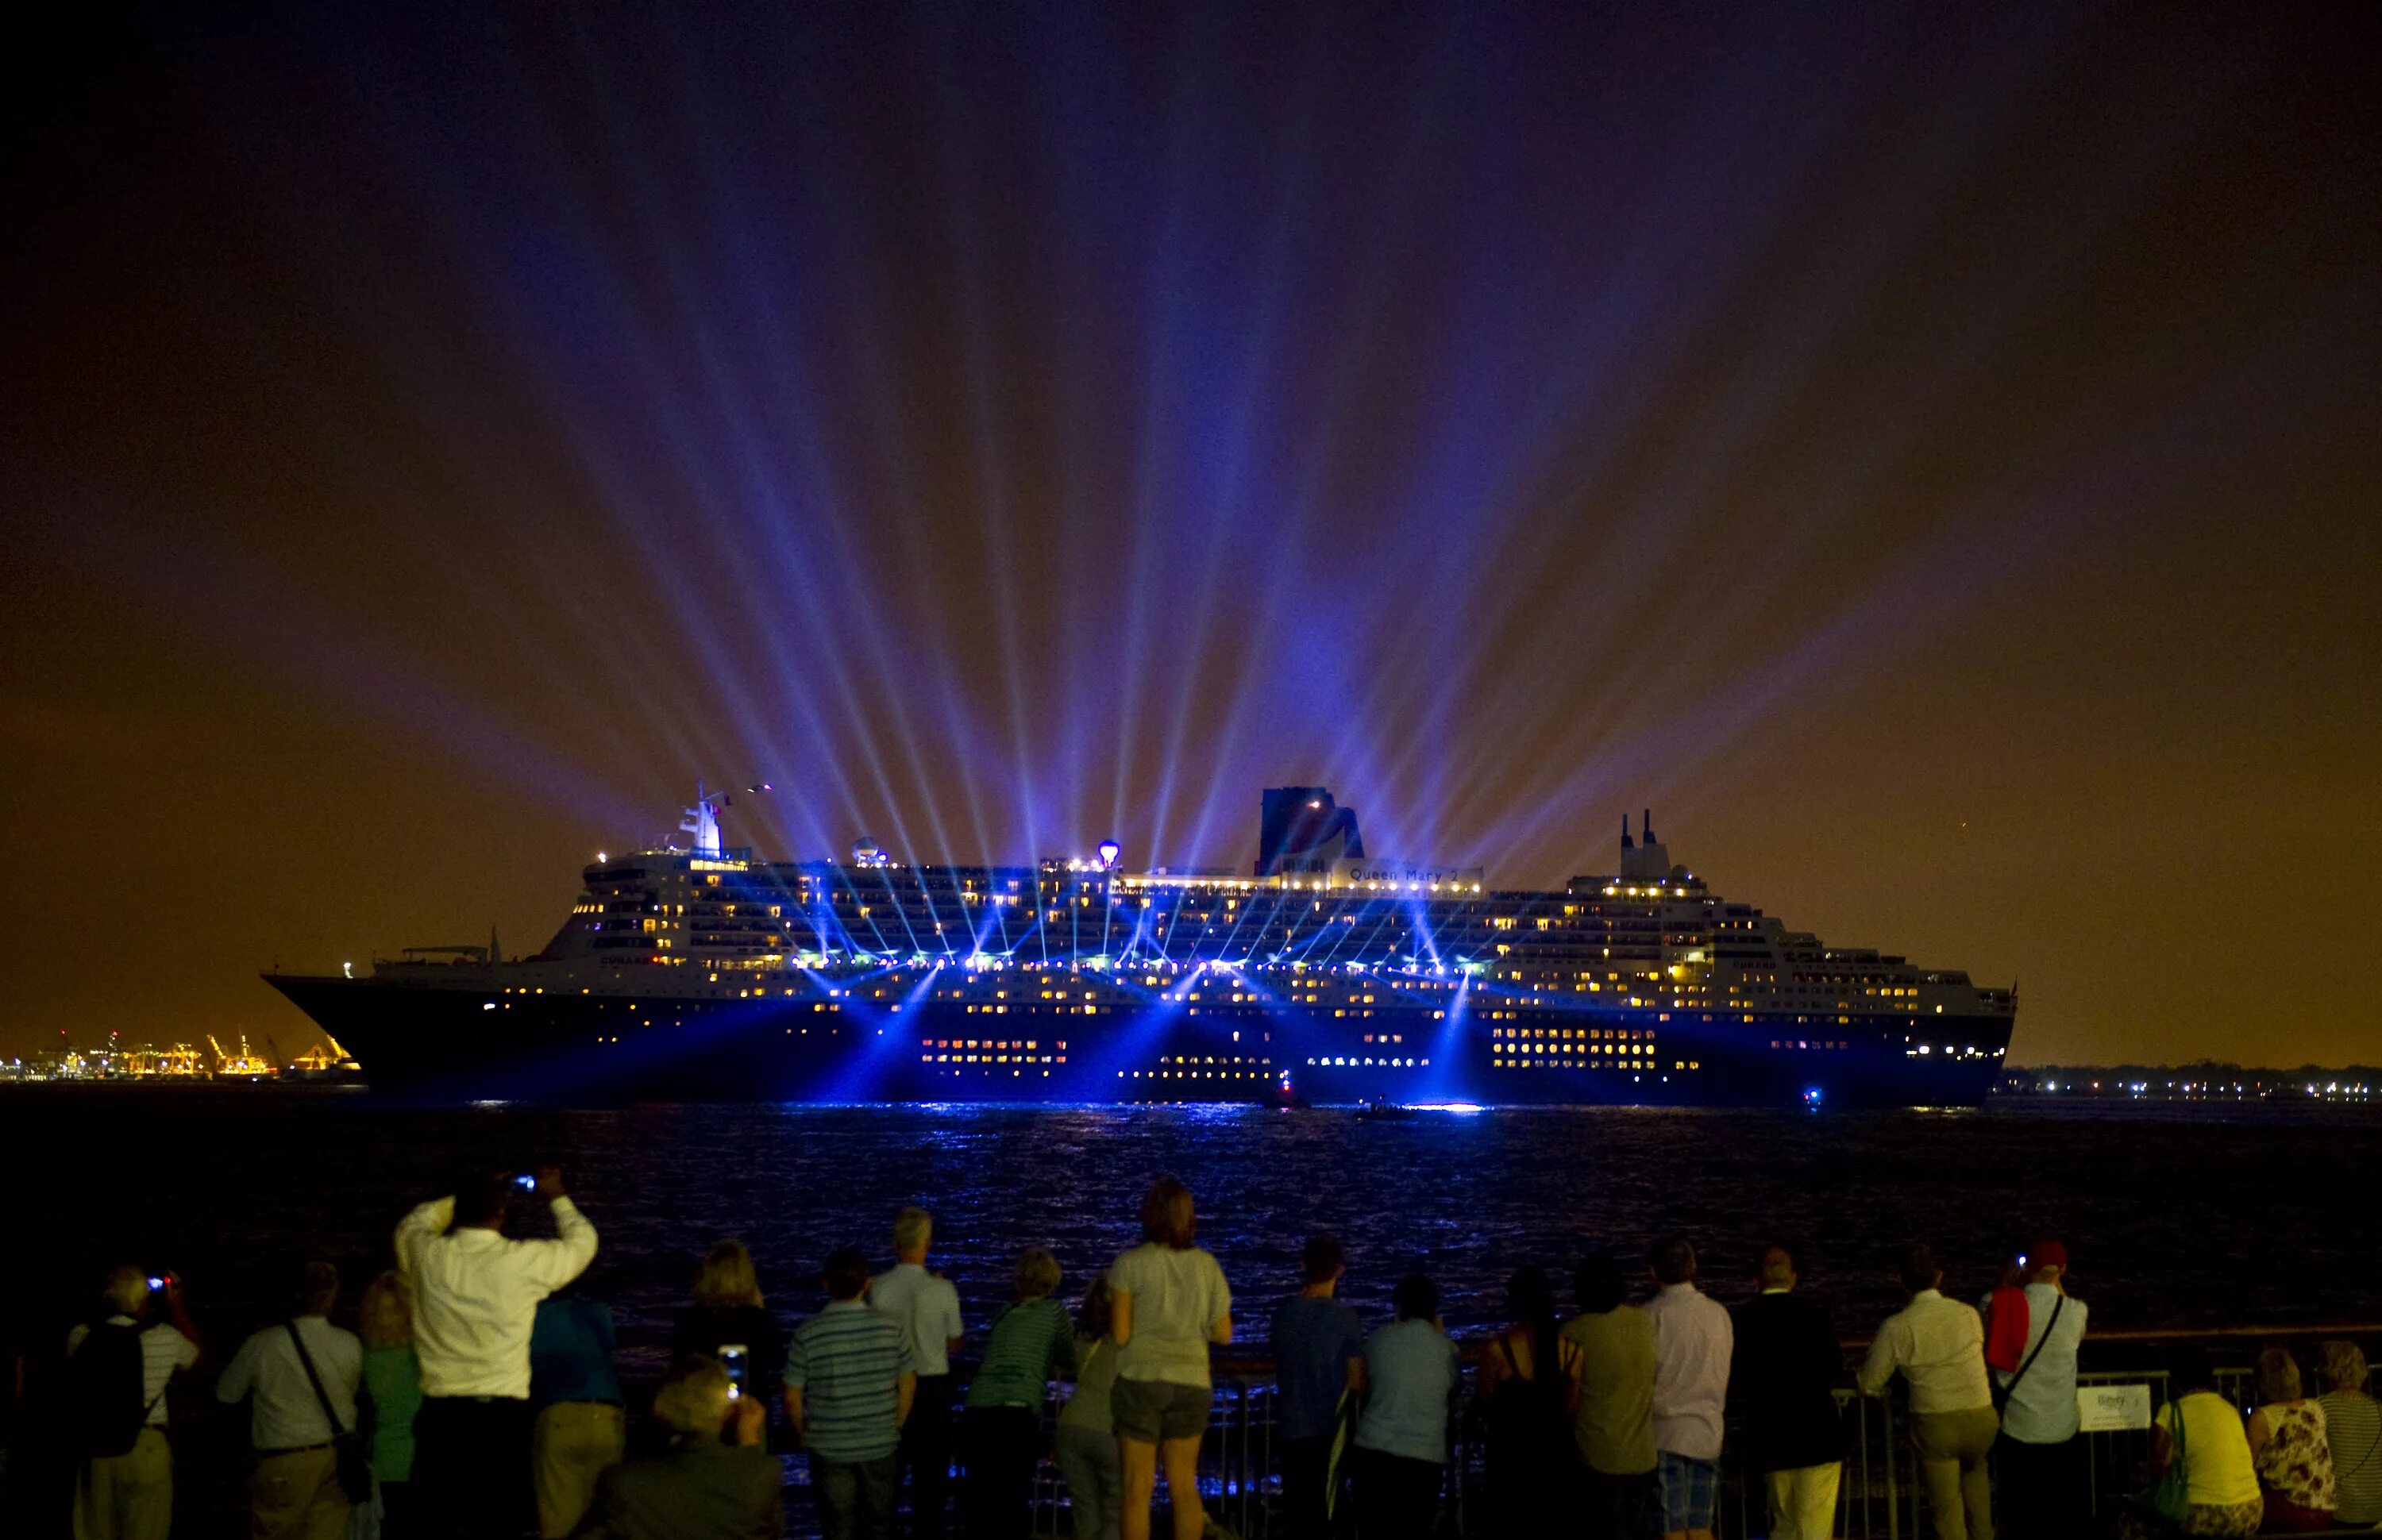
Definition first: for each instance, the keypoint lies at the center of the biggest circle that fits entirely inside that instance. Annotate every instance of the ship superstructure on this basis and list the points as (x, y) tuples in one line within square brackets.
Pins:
[(700, 972)]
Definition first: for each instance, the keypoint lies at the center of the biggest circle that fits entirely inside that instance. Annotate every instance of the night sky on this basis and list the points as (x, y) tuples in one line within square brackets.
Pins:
[(1929, 455)]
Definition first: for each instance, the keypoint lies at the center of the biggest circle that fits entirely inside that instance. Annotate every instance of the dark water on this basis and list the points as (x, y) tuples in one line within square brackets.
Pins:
[(2175, 1217)]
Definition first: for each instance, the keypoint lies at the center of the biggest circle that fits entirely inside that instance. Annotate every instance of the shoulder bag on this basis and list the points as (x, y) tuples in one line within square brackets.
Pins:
[(2002, 1393), (347, 1445), (2169, 1496)]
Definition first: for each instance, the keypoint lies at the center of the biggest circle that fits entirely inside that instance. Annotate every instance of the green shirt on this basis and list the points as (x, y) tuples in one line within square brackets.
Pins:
[(1613, 1356), (393, 1381), (1027, 1341)]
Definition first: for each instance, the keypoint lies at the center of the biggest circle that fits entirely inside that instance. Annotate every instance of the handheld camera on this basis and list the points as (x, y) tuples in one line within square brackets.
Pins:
[(525, 1181)]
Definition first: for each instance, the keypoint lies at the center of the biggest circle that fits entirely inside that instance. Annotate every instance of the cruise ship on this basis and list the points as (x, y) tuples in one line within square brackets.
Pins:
[(1319, 975)]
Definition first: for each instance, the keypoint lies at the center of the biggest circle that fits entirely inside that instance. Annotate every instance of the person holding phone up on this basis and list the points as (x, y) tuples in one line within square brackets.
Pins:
[(475, 1294)]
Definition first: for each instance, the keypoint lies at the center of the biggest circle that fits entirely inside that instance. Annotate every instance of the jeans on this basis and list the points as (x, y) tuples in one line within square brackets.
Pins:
[(2041, 1487), (1397, 1495), (1004, 1446), (1306, 1478), (471, 1466), (1952, 1447), (1095, 1475), (854, 1498)]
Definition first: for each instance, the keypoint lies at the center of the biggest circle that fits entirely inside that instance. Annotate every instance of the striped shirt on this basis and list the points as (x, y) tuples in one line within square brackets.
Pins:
[(163, 1351), (848, 1362), (2353, 1428), (1029, 1340)]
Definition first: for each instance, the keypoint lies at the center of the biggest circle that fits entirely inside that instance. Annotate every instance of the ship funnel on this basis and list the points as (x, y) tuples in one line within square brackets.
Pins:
[(1300, 828), (1647, 858)]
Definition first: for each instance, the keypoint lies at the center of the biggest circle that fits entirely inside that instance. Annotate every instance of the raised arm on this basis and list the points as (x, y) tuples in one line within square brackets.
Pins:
[(554, 1263), (429, 1219), (180, 1314)]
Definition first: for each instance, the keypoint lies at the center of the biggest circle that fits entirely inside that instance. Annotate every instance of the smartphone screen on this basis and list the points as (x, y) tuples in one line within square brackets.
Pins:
[(525, 1181), (731, 1357)]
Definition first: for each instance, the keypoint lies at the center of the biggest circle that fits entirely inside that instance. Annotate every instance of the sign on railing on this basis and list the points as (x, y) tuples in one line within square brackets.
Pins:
[(2113, 1408)]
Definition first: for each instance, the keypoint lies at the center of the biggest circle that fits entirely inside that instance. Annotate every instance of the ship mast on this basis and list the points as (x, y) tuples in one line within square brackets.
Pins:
[(703, 822)]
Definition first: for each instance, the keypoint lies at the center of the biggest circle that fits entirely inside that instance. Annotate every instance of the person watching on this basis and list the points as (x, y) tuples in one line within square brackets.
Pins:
[(2220, 1484), (2353, 1426), (1782, 1383), (1171, 1303), (1938, 1345), (928, 1309), (475, 1296), (2289, 1446), (392, 1386), (1524, 1415), (730, 1313), (1608, 1361), (1027, 1340), (1412, 1373), (580, 1433), (1693, 1341), (715, 1480), (2040, 1457), (1086, 1440), (290, 1370), (1318, 1357), (117, 1375), (851, 1376)]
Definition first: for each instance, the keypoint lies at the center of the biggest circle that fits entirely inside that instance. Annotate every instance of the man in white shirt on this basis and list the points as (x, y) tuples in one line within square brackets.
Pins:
[(475, 1295), (1693, 1339), (295, 1493), (1938, 1346), (128, 1494), (928, 1309), (2040, 1459)]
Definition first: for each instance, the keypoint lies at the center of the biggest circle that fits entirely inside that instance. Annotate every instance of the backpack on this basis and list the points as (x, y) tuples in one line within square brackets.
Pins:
[(106, 1392)]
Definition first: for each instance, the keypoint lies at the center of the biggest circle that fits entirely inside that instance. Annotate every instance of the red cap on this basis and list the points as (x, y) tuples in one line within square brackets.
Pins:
[(2047, 1253)]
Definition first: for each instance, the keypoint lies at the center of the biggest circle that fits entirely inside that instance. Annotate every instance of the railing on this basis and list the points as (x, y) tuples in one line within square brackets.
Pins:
[(1881, 1496)]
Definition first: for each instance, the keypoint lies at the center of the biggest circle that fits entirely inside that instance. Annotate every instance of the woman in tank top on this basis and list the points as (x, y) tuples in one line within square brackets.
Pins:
[(2288, 1443), (1521, 1393)]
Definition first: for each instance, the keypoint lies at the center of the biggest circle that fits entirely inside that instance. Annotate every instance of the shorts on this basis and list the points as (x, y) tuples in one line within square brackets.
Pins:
[(1687, 1489), (1157, 1410)]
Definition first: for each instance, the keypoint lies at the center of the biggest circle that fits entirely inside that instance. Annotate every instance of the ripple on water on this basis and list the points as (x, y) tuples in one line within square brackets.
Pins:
[(2169, 1213)]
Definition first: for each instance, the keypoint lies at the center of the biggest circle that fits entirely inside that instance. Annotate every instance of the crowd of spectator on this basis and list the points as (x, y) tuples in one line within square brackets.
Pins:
[(479, 1397)]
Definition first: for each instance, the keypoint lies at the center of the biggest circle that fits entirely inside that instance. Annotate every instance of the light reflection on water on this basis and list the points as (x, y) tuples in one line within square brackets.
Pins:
[(224, 1189)]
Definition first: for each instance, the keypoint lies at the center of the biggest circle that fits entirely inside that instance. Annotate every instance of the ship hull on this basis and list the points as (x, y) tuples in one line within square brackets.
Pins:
[(453, 1043)]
